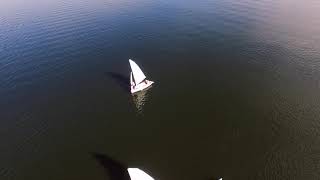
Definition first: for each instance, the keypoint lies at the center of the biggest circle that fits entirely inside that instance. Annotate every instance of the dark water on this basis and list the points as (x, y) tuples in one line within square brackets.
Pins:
[(237, 91)]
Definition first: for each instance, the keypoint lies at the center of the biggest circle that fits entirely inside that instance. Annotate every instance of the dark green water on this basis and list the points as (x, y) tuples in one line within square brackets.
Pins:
[(236, 95)]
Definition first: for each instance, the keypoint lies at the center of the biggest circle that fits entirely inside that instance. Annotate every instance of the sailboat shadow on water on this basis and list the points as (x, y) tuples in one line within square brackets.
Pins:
[(113, 169), (122, 80)]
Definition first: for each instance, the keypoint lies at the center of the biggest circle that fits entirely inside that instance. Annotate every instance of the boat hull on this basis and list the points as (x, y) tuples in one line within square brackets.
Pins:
[(141, 86)]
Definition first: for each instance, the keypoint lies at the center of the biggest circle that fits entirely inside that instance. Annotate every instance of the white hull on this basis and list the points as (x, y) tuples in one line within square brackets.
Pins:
[(139, 87)]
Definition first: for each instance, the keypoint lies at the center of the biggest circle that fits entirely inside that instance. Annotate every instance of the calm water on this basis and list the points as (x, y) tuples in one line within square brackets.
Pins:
[(237, 91)]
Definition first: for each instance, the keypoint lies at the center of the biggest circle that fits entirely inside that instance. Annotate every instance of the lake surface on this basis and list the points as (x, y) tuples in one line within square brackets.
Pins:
[(236, 94)]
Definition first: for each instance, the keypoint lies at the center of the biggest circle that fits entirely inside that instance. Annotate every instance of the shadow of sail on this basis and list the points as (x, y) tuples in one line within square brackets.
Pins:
[(121, 80), (115, 170)]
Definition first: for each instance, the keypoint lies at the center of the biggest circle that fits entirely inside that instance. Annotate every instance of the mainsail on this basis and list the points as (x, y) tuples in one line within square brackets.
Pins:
[(137, 174), (138, 75)]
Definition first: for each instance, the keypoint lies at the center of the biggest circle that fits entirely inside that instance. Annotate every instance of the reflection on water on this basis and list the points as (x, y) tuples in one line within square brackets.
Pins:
[(140, 99)]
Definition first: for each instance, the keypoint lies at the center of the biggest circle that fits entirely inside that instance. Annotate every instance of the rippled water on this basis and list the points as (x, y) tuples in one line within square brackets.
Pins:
[(236, 93)]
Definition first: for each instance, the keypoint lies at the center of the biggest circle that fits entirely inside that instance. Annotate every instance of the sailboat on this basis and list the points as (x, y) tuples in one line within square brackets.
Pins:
[(119, 171), (138, 174), (138, 80)]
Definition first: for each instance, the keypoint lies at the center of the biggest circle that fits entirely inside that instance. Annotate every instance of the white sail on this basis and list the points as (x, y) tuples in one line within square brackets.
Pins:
[(137, 174), (138, 75)]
